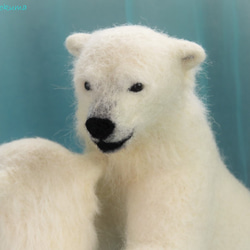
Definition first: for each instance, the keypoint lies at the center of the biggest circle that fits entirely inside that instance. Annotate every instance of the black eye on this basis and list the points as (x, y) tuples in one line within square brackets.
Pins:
[(137, 87), (87, 86)]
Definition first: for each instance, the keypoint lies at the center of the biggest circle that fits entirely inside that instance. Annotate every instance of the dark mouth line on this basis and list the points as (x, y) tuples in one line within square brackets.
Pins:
[(108, 147)]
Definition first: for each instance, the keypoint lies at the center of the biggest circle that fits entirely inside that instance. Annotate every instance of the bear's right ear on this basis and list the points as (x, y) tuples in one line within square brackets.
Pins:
[(75, 43), (190, 54)]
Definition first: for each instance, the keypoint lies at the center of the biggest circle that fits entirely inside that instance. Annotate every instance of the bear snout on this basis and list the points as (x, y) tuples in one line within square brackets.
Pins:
[(100, 128)]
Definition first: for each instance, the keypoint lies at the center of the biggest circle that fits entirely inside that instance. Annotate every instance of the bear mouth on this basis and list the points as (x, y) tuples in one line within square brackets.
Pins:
[(110, 147)]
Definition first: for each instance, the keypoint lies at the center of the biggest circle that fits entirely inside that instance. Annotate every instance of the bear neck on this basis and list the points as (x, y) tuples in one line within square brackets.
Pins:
[(184, 140)]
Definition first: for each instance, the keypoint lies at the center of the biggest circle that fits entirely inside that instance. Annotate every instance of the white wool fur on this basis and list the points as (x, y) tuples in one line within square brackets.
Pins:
[(167, 188), (47, 199)]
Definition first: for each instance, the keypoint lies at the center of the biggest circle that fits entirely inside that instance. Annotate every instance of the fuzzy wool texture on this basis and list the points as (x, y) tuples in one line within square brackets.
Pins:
[(167, 187), (47, 197), (163, 186)]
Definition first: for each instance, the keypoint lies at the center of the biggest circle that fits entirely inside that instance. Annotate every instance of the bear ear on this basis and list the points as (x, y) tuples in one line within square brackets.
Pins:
[(191, 54), (75, 43)]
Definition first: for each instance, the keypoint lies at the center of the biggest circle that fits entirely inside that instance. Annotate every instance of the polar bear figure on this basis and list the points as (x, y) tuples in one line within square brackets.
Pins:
[(47, 199), (165, 185)]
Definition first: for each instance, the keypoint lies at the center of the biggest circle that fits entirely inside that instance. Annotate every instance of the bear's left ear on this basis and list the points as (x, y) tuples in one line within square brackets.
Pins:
[(190, 54), (75, 43)]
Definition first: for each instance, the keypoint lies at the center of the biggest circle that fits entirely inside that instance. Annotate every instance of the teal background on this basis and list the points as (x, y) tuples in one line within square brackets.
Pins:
[(36, 95)]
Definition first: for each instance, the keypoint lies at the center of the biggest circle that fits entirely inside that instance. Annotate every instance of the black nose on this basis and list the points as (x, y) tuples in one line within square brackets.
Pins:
[(99, 128)]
